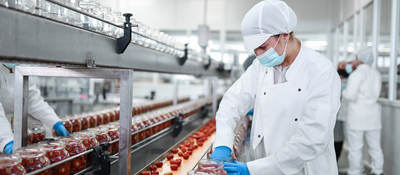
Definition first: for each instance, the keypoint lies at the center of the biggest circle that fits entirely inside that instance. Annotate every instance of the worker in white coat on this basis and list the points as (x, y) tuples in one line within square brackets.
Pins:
[(37, 107), (295, 93), (364, 113)]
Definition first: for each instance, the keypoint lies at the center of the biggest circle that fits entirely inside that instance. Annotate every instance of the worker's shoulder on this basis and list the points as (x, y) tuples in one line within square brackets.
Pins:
[(315, 61)]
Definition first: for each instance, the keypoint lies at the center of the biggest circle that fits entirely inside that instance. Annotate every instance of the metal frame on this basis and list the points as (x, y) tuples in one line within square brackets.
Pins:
[(362, 31), (21, 86), (345, 38), (32, 38), (356, 19), (214, 95), (394, 50), (376, 29), (176, 91)]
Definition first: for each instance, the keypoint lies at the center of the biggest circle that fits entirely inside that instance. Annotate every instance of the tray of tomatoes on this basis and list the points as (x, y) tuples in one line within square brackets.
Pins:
[(89, 140), (11, 165), (56, 152), (75, 146), (33, 159), (210, 167)]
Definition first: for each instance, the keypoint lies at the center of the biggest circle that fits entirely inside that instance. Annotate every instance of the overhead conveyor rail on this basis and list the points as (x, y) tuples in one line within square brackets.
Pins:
[(31, 38)]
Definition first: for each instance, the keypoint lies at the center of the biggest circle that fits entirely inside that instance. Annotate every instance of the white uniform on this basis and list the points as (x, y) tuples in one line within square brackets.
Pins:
[(364, 118), (37, 107), (294, 120)]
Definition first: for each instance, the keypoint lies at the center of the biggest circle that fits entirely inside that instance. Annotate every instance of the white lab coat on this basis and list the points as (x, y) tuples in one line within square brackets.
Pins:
[(362, 92), (36, 107), (294, 119)]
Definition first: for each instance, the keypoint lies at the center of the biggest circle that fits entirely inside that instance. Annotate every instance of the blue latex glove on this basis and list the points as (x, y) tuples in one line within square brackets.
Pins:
[(222, 153), (236, 168), (250, 112), (60, 129), (8, 149)]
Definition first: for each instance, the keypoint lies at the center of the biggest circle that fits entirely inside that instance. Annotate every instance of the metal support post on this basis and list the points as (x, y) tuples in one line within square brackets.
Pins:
[(21, 87), (394, 52), (336, 47), (361, 36), (176, 89), (125, 122), (345, 38), (355, 32), (214, 95), (376, 28), (21, 101)]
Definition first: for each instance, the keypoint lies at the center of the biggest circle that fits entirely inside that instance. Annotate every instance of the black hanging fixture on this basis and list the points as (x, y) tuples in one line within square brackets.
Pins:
[(123, 42)]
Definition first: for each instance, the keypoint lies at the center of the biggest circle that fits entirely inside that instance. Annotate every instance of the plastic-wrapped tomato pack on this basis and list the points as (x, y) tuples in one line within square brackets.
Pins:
[(38, 134), (89, 140), (135, 137), (92, 121), (11, 165), (33, 159), (209, 167), (112, 116), (75, 146), (240, 136), (56, 152), (84, 123), (68, 125), (29, 137), (117, 114), (114, 134), (102, 136), (76, 124), (106, 118), (99, 119)]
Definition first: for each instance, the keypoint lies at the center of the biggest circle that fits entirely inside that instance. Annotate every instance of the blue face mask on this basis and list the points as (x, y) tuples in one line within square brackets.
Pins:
[(271, 58), (349, 68)]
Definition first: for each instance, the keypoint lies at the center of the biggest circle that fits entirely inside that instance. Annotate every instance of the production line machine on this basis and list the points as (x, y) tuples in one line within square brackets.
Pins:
[(127, 139)]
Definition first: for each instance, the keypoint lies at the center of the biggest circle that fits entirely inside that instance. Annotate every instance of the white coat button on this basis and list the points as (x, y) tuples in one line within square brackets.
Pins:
[(295, 119), (265, 93), (259, 136), (299, 89)]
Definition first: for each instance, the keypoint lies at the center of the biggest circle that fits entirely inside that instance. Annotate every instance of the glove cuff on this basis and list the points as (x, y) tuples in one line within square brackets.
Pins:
[(57, 125), (225, 149)]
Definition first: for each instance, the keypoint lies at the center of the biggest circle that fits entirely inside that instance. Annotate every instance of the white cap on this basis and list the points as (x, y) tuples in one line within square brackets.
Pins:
[(366, 56), (265, 19)]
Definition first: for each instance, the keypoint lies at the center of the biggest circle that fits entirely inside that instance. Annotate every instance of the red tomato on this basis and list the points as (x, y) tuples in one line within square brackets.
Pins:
[(153, 167), (174, 150), (174, 167), (145, 172), (159, 164), (170, 156), (186, 155)]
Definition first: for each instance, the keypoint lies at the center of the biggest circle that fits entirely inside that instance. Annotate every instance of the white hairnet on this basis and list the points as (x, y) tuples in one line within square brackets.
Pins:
[(366, 56), (265, 19)]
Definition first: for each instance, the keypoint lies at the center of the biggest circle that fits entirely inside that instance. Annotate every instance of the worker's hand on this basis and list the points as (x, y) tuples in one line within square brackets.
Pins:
[(251, 112), (222, 153), (8, 149), (60, 129), (236, 168)]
